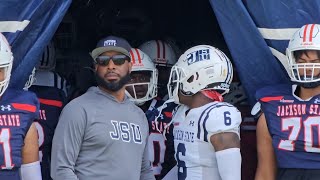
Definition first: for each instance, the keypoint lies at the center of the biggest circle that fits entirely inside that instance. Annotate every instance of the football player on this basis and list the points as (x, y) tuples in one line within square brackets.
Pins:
[(206, 129), (164, 57), (19, 157), (288, 131), (142, 90), (50, 90)]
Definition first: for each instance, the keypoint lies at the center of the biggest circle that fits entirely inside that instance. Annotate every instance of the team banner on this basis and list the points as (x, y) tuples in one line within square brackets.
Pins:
[(257, 34), (29, 26)]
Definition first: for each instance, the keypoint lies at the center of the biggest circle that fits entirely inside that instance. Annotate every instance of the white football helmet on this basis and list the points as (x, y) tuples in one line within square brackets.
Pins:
[(6, 60), (306, 38), (160, 52), (142, 62), (202, 67)]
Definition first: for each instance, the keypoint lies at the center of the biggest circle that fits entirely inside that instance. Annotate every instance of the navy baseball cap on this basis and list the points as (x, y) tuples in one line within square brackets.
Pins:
[(111, 43)]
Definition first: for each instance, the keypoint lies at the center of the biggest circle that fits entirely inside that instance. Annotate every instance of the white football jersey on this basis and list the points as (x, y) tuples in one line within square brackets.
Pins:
[(195, 154)]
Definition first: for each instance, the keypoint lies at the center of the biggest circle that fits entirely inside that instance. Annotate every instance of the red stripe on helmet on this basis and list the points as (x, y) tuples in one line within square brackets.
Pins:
[(158, 49), (305, 33), (132, 57), (311, 32), (138, 54)]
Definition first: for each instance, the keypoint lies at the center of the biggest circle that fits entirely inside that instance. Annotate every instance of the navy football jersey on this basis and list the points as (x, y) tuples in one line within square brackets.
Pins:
[(51, 103), (161, 150), (18, 109), (294, 125)]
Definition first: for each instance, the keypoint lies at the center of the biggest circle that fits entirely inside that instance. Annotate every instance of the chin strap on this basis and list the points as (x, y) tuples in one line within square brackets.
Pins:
[(310, 84), (212, 94)]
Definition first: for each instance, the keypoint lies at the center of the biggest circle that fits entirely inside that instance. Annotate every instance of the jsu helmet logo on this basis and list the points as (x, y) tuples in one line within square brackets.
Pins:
[(196, 56), (6, 108)]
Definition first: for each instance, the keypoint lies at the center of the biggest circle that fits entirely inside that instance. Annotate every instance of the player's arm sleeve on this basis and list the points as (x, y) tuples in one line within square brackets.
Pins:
[(146, 169), (266, 168), (223, 131), (67, 141), (31, 171)]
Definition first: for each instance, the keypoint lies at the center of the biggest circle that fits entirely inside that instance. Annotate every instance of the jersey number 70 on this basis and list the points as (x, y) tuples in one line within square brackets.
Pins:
[(294, 125)]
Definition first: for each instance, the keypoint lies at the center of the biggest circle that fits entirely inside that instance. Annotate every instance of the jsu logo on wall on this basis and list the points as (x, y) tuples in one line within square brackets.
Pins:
[(126, 132), (110, 43), (196, 56)]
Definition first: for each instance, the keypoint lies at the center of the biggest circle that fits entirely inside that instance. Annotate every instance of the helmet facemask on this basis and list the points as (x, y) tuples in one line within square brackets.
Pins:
[(6, 60), (151, 88), (7, 73), (142, 67), (304, 73), (306, 39), (177, 75)]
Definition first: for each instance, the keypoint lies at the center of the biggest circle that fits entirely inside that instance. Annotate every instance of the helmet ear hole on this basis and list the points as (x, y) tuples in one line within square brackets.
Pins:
[(190, 80)]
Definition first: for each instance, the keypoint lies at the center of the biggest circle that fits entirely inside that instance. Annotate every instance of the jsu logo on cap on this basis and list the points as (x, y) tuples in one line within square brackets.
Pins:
[(110, 43)]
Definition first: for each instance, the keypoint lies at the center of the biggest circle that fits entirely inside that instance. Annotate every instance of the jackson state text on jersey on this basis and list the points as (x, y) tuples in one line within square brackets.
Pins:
[(161, 150), (195, 154), (18, 109), (294, 125)]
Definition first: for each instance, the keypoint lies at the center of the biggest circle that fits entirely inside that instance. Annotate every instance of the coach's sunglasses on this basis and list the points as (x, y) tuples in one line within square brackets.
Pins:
[(116, 59)]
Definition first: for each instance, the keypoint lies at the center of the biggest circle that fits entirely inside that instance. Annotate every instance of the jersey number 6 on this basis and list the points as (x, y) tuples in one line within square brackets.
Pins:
[(182, 169)]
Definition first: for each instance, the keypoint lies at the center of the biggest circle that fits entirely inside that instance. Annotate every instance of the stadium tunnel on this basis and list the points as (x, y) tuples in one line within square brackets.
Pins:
[(184, 23), (181, 23)]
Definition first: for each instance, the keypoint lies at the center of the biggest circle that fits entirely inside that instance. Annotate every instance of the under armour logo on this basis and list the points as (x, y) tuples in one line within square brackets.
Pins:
[(110, 43), (8, 108), (191, 123), (161, 116), (317, 101)]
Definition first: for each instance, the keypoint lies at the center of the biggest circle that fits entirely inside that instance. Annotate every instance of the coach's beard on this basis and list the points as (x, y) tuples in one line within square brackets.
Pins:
[(112, 86)]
